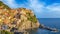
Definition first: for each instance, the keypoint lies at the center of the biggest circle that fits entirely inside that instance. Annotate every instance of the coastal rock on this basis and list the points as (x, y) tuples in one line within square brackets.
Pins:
[(20, 18)]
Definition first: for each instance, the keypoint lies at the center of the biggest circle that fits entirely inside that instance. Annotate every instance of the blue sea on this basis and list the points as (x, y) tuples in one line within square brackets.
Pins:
[(49, 22)]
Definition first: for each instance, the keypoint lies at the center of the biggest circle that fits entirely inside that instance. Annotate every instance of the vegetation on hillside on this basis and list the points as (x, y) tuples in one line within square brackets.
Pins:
[(5, 32), (32, 18), (3, 5)]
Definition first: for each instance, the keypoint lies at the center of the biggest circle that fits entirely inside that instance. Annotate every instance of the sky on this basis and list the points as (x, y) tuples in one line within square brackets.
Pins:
[(41, 8)]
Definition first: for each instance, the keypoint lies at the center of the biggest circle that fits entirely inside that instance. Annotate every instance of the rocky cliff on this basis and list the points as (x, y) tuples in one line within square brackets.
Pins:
[(17, 19)]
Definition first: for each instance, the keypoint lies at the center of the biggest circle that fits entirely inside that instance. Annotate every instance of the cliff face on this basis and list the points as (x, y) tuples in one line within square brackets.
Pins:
[(20, 18)]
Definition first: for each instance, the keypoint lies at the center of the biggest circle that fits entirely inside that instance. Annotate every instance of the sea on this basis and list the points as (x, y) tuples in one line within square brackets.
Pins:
[(49, 22)]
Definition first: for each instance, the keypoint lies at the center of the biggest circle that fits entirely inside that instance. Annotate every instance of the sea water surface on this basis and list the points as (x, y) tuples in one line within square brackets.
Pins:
[(49, 22)]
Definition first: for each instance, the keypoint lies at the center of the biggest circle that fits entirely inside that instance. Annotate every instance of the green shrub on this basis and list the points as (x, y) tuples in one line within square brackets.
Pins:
[(5, 32), (32, 18)]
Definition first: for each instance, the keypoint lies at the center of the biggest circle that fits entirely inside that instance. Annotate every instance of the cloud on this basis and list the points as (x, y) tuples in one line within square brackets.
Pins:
[(53, 11), (39, 8), (35, 5), (54, 7), (42, 11)]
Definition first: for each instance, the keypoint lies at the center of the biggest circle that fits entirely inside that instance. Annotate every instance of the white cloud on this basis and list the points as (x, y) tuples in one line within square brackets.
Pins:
[(53, 11), (54, 7), (38, 7), (35, 5)]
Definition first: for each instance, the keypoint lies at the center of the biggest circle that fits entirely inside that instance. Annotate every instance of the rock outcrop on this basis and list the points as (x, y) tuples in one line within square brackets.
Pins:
[(17, 19)]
